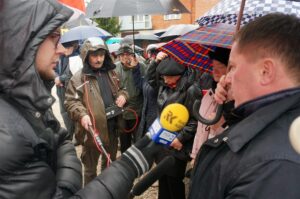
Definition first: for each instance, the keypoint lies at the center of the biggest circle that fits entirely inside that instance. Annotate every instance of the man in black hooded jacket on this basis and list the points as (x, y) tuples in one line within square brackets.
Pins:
[(37, 158)]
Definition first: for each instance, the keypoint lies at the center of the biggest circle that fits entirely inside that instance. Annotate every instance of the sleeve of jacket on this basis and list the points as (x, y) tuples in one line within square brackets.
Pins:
[(114, 183), (68, 167), (151, 75), (74, 102), (138, 75), (188, 132)]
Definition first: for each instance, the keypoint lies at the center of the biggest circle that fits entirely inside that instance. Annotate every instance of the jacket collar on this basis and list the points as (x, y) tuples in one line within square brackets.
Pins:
[(258, 119)]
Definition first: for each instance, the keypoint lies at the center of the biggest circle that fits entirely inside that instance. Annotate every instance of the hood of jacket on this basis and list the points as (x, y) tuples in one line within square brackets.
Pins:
[(90, 46), (24, 25)]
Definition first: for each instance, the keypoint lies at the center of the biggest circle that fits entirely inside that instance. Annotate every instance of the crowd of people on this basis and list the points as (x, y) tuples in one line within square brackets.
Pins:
[(110, 102)]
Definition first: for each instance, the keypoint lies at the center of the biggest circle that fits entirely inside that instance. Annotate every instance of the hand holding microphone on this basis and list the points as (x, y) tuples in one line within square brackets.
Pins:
[(172, 119), (162, 132)]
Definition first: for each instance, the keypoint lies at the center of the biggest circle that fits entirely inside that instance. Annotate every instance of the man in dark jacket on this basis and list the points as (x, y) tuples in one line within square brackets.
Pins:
[(253, 158), (174, 85), (38, 161), (64, 74)]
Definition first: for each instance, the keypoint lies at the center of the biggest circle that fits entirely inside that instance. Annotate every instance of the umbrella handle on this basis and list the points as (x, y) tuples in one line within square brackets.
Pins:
[(201, 119)]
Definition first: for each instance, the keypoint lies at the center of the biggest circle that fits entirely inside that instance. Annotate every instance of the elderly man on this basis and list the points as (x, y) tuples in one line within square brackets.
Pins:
[(253, 158), (131, 73), (90, 92)]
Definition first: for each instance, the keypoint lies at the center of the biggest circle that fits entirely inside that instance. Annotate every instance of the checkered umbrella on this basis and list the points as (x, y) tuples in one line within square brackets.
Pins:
[(226, 11), (192, 48)]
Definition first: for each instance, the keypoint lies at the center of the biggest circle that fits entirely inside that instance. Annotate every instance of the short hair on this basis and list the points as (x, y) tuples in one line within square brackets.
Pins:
[(276, 35)]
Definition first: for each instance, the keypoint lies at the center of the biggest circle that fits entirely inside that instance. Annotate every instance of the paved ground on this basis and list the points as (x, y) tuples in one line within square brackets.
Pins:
[(151, 193)]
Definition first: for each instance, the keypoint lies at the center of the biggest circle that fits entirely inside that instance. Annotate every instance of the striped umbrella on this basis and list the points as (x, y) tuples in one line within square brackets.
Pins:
[(227, 11), (192, 48)]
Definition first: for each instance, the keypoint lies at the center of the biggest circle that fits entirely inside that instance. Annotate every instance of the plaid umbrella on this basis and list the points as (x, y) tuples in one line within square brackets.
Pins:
[(227, 11), (192, 48)]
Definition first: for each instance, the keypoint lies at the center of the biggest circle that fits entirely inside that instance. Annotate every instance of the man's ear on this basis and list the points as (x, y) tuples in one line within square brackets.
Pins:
[(267, 72)]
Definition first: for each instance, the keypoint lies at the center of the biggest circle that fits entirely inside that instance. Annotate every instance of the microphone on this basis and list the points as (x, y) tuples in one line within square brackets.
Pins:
[(152, 176), (294, 134), (173, 118)]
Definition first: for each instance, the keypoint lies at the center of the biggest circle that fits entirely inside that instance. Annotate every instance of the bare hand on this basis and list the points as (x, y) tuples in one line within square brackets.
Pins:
[(221, 92), (120, 101), (58, 82), (176, 144), (160, 56), (133, 61), (86, 122)]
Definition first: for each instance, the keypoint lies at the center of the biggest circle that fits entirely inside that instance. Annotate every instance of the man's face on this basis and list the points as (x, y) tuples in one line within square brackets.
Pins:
[(96, 58), (171, 81), (243, 76), (219, 69), (125, 58), (48, 55)]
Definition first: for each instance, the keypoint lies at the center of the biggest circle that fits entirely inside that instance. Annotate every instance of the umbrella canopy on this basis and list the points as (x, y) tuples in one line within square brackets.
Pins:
[(192, 48), (226, 11), (113, 40), (82, 20), (140, 37), (84, 32), (77, 6), (113, 8), (114, 47), (177, 30)]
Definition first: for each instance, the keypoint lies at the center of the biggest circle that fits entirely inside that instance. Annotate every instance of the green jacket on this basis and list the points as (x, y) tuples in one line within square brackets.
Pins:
[(131, 80), (83, 97)]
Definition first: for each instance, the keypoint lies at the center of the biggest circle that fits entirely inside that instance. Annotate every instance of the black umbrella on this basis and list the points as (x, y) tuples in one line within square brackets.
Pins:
[(113, 8), (145, 37), (177, 30)]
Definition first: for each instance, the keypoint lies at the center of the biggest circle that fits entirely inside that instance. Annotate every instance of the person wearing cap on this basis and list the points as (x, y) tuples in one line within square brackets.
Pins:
[(90, 91), (219, 58), (63, 75), (151, 52), (131, 73), (173, 84)]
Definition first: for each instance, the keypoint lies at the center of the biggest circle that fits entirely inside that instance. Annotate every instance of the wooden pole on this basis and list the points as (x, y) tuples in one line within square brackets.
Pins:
[(238, 24)]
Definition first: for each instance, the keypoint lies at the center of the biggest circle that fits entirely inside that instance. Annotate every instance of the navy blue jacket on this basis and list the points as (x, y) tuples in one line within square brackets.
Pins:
[(253, 158)]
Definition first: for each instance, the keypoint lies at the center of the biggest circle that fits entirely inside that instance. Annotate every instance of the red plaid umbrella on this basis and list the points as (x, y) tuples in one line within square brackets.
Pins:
[(192, 48)]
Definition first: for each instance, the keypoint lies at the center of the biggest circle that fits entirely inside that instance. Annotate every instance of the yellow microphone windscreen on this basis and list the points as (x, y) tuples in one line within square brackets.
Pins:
[(174, 117)]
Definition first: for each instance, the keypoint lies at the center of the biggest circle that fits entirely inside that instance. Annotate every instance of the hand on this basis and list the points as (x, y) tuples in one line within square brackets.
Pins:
[(160, 56), (221, 92), (176, 144), (133, 61), (192, 162), (86, 122), (120, 101), (58, 82)]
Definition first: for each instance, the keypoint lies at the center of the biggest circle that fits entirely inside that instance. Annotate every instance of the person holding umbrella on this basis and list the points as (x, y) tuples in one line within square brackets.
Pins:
[(208, 106), (253, 158), (174, 85)]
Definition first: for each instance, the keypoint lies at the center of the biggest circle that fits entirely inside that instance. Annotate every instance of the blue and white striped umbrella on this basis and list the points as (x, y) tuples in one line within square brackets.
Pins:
[(226, 11)]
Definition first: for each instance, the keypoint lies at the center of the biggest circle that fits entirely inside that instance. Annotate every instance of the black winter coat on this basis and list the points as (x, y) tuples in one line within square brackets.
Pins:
[(37, 158), (253, 158), (185, 93)]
